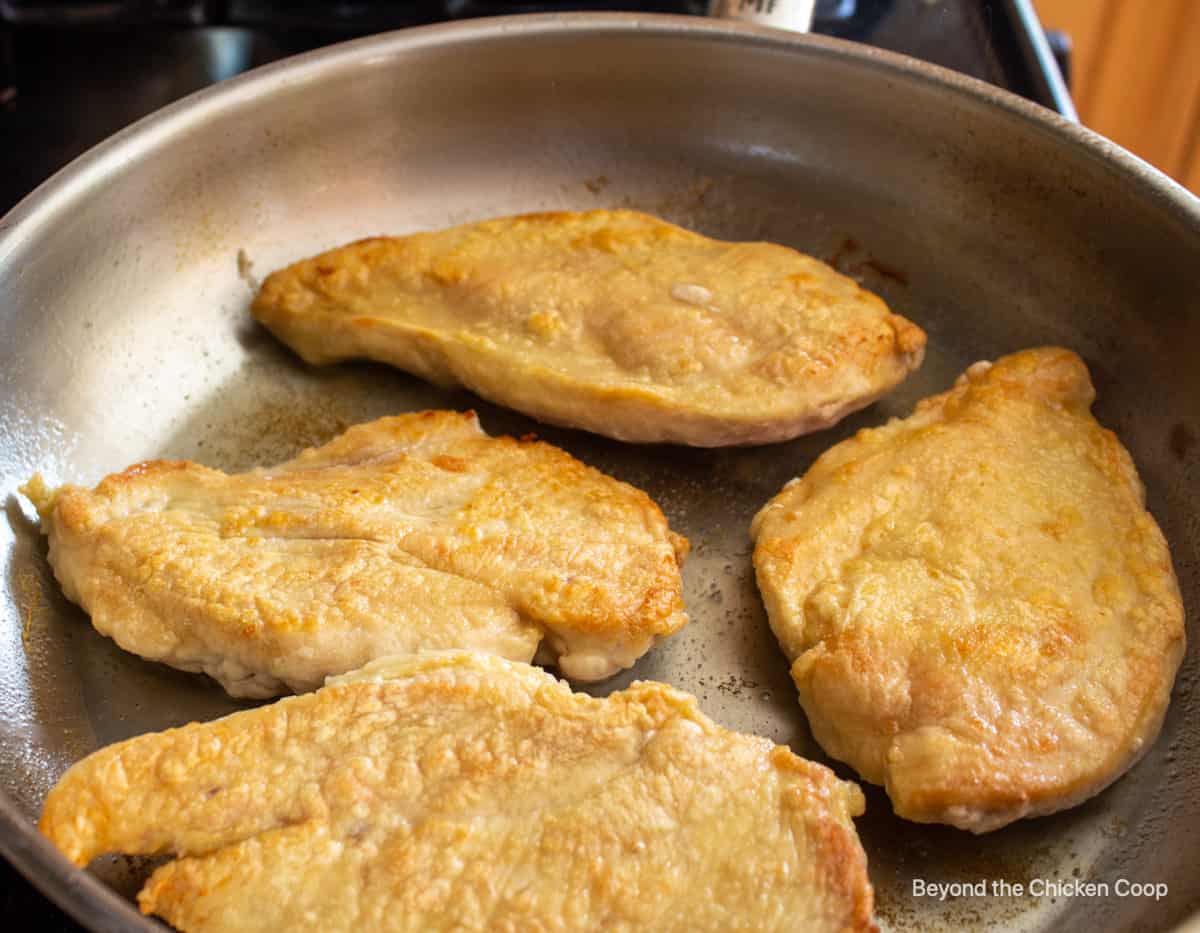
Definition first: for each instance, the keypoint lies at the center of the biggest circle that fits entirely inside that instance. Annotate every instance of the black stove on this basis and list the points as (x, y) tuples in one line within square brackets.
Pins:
[(73, 73)]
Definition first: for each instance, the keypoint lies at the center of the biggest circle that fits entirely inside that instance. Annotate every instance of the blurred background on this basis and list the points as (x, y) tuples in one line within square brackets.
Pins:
[(1135, 75), (73, 72)]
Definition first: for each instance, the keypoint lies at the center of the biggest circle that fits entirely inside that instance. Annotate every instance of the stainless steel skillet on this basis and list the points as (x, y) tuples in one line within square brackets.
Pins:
[(989, 221)]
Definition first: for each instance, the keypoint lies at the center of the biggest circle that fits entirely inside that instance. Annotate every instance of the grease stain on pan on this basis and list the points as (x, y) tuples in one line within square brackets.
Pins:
[(31, 607), (270, 431), (943, 855), (261, 415), (204, 237), (852, 259), (1181, 440)]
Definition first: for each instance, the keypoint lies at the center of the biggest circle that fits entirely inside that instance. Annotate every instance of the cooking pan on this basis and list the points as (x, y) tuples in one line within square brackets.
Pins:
[(991, 222)]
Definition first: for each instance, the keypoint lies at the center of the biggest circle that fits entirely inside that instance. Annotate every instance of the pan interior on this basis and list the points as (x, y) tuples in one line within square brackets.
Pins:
[(126, 336)]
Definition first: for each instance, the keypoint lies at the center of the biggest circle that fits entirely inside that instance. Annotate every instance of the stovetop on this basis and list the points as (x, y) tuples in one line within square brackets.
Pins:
[(73, 73)]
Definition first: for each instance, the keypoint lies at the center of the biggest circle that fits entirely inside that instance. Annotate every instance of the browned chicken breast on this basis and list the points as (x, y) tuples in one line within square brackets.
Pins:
[(612, 321), (980, 613), (463, 792), (407, 533), (460, 791)]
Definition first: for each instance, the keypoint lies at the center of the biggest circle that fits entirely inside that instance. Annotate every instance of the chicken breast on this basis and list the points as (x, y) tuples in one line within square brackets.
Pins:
[(611, 321), (980, 613), (407, 533), (459, 791)]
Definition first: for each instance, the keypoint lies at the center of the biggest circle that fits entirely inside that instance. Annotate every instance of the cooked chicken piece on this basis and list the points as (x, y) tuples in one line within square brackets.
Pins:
[(612, 321), (457, 791), (980, 613), (407, 533)]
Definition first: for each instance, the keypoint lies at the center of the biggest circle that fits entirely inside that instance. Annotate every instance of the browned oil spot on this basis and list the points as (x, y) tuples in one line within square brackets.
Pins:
[(731, 685), (597, 184), (31, 604), (901, 852), (685, 206), (1181, 440), (293, 427), (850, 258), (245, 267), (203, 239), (271, 432), (887, 270), (847, 247)]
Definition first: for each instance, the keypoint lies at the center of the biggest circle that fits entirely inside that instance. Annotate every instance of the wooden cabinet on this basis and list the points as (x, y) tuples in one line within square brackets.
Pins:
[(1136, 75)]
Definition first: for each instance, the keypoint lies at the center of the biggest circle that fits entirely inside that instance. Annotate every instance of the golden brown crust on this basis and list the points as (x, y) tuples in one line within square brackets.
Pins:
[(980, 612), (418, 531), (460, 791), (613, 321)]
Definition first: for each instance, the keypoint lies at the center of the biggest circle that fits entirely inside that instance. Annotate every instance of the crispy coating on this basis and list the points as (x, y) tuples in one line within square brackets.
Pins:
[(462, 791), (980, 613), (612, 321), (412, 532)]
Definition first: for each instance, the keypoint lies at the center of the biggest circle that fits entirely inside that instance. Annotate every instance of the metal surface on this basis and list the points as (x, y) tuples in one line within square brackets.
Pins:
[(985, 219)]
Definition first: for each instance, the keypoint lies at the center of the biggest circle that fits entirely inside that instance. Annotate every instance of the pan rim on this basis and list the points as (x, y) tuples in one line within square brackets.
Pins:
[(139, 138), (88, 900)]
